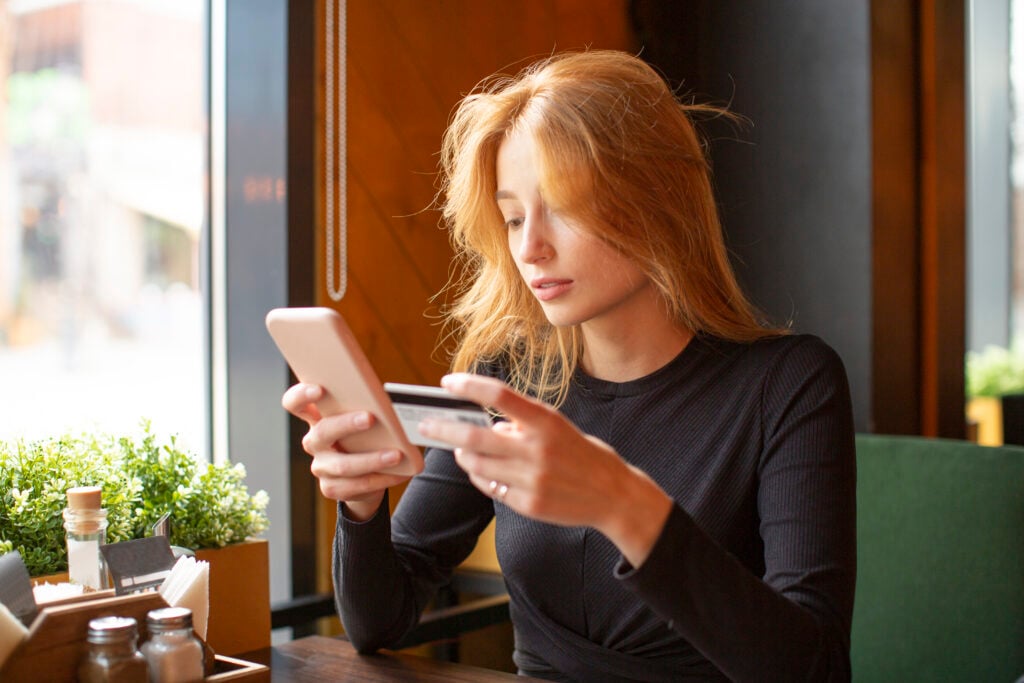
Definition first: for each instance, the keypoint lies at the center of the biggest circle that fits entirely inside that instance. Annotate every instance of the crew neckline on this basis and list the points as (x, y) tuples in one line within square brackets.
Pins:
[(670, 372)]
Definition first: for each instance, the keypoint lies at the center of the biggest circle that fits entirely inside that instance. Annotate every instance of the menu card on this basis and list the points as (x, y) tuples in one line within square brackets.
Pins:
[(16, 587), (138, 564)]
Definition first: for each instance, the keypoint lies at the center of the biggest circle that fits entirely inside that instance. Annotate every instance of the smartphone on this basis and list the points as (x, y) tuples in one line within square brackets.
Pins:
[(321, 349), (414, 402)]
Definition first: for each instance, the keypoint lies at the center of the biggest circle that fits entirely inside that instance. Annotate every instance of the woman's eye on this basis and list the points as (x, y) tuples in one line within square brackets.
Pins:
[(513, 223)]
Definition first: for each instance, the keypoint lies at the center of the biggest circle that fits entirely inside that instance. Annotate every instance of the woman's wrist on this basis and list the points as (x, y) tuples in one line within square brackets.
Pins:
[(361, 510), (637, 517)]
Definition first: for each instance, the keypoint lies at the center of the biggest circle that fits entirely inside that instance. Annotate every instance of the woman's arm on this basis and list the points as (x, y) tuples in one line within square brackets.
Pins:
[(386, 570), (537, 457), (794, 622)]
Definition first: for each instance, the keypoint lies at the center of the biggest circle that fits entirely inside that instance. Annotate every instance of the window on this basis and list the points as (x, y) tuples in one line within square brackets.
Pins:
[(1016, 106), (102, 203), (138, 256)]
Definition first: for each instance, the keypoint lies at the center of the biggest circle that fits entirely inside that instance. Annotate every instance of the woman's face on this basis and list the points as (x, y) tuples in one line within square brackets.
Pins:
[(577, 278)]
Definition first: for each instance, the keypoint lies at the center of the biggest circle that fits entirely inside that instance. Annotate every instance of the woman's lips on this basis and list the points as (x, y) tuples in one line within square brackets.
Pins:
[(546, 289)]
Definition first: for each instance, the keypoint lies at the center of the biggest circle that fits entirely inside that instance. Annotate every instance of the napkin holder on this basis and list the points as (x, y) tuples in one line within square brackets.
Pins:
[(56, 641)]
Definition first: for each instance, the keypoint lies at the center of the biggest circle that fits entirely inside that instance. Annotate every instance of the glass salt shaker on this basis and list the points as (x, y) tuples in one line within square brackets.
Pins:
[(174, 654), (112, 655), (85, 524)]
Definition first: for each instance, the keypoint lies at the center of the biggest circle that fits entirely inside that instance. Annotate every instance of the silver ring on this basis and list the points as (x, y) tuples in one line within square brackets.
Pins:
[(498, 490)]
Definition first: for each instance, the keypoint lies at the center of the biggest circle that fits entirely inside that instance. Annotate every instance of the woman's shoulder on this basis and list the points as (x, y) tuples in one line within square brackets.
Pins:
[(782, 352), (771, 345), (799, 344), (801, 364)]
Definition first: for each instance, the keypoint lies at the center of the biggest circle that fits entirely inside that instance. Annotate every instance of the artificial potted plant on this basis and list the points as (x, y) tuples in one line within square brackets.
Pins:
[(211, 511)]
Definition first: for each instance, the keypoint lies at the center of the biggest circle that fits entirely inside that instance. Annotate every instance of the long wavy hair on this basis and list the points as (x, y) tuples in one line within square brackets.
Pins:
[(620, 155)]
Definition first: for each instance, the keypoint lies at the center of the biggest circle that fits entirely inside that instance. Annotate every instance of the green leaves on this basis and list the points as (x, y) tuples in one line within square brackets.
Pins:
[(209, 504), (141, 480), (996, 371)]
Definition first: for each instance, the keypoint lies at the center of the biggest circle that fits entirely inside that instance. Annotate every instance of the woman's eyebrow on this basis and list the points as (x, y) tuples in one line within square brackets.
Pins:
[(504, 194)]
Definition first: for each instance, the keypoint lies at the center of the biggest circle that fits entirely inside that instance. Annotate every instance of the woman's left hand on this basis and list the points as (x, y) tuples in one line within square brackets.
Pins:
[(553, 472)]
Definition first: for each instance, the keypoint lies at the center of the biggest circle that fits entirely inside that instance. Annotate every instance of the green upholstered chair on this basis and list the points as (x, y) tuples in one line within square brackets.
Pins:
[(940, 568)]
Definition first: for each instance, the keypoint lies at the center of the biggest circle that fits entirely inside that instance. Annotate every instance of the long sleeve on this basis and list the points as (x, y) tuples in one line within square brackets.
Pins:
[(792, 623), (751, 579), (386, 571)]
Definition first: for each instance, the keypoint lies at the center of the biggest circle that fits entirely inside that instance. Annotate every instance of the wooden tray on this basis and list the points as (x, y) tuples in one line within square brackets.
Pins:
[(56, 641), (231, 669)]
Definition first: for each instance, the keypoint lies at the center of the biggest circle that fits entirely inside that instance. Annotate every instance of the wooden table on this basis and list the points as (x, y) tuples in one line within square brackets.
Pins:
[(317, 658)]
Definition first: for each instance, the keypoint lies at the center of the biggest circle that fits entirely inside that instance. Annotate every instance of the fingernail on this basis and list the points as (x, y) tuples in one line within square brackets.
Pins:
[(312, 393), (390, 457), (446, 380), (361, 420)]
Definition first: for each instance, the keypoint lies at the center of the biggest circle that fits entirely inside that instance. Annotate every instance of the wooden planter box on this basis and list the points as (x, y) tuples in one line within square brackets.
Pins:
[(239, 618), (999, 420), (239, 596), (987, 414)]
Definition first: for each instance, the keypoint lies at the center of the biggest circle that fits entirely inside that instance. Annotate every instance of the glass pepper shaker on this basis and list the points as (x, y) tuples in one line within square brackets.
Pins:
[(173, 652), (112, 655)]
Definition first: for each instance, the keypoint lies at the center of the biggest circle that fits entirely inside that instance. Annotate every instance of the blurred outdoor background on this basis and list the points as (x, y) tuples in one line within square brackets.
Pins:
[(102, 205)]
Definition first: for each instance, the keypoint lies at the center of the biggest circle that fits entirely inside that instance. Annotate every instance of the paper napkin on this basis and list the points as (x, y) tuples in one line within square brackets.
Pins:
[(188, 585), (12, 632)]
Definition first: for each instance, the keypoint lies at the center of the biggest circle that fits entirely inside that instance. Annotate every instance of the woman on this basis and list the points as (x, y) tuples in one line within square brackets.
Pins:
[(673, 481)]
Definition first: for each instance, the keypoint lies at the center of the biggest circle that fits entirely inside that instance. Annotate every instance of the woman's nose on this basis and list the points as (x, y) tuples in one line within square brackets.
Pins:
[(534, 245)]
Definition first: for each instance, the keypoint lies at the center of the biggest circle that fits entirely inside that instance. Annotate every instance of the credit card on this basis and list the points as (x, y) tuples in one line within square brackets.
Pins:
[(414, 403)]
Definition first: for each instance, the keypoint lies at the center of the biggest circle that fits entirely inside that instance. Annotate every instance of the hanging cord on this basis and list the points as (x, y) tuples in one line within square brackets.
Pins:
[(334, 150)]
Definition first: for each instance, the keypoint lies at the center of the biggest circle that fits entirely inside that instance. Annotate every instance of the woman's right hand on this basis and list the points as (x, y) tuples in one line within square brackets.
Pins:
[(354, 479)]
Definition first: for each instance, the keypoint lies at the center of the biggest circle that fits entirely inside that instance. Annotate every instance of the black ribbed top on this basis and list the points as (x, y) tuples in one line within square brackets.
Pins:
[(752, 577)]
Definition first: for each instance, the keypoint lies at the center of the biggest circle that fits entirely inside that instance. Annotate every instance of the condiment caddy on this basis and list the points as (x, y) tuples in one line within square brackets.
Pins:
[(56, 643)]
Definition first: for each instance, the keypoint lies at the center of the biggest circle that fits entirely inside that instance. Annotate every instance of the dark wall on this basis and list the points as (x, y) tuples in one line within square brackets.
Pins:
[(794, 185), (253, 260)]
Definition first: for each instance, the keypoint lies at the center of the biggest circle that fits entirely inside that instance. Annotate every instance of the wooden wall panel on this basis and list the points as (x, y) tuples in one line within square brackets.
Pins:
[(408, 64), (943, 217), (919, 217), (896, 354)]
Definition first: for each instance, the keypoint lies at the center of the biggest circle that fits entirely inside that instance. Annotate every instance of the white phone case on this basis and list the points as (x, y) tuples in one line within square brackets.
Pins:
[(321, 349)]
